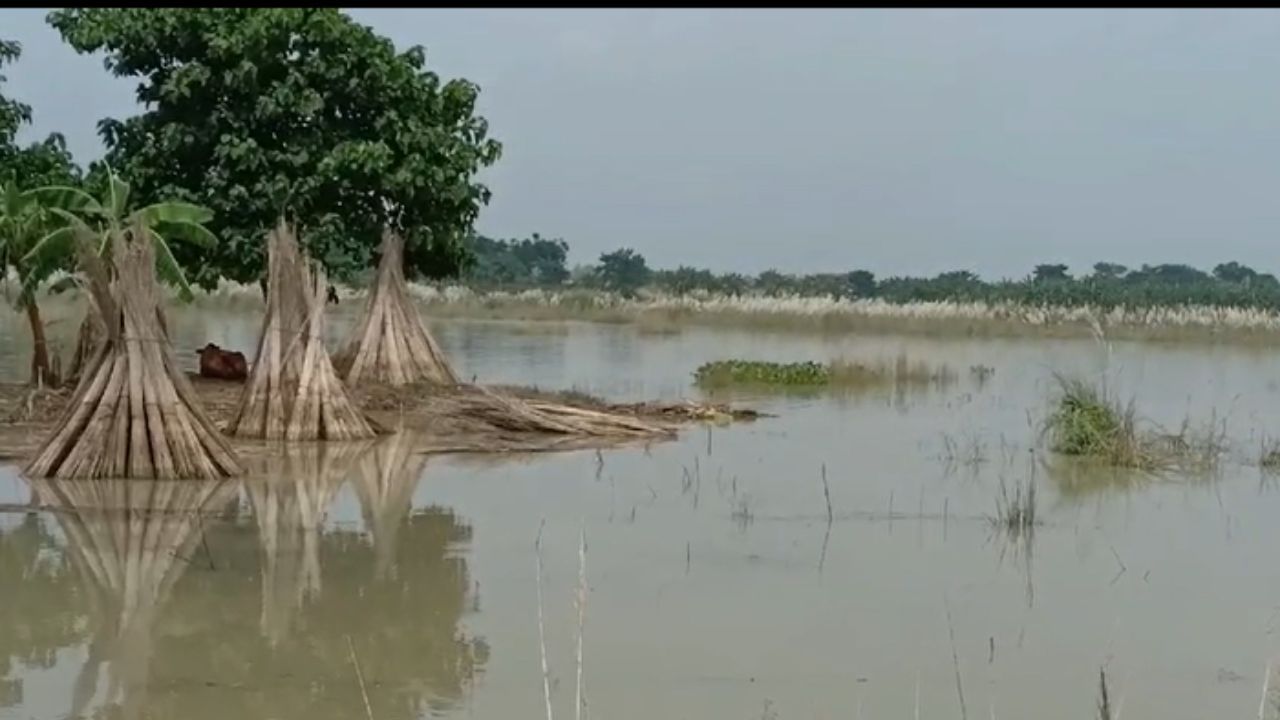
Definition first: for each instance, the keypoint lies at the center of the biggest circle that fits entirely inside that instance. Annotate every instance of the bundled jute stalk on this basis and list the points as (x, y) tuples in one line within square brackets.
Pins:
[(390, 344), (88, 340), (515, 414), (293, 391), (134, 413)]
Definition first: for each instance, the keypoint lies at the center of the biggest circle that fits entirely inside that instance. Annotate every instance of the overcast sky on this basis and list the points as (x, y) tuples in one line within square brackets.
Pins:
[(904, 141)]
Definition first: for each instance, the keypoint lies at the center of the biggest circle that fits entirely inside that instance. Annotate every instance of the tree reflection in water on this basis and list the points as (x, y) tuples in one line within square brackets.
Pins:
[(200, 616), (41, 606)]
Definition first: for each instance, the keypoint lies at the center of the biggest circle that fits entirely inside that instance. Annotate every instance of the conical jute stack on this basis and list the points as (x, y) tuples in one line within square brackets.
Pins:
[(390, 344), (293, 391), (134, 414)]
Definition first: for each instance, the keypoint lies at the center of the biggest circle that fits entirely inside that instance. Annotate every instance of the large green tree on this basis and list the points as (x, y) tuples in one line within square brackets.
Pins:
[(623, 270), (248, 111), (534, 261)]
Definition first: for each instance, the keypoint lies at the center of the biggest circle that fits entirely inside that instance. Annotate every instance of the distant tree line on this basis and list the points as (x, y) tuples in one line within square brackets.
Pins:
[(539, 262)]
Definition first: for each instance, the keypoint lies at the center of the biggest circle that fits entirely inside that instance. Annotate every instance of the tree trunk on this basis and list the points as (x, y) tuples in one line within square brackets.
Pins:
[(40, 348)]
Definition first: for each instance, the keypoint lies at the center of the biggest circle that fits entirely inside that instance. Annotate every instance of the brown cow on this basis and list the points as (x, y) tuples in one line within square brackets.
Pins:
[(222, 364)]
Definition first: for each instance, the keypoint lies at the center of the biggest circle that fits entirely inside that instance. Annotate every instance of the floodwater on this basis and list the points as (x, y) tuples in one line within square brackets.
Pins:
[(366, 581)]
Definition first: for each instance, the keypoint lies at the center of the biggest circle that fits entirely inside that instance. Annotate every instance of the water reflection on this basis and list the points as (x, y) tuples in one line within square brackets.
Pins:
[(160, 584), (1078, 480), (129, 542), (290, 501), (41, 608), (389, 473)]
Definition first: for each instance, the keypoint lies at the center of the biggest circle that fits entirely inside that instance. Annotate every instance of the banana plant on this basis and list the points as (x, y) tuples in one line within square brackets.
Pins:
[(24, 222), (108, 219)]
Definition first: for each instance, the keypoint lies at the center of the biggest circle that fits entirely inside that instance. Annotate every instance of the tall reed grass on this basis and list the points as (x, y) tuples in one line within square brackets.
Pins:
[(662, 312)]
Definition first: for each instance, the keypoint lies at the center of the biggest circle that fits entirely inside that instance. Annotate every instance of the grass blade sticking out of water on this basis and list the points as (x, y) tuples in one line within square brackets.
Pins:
[(581, 601), (1016, 510), (1104, 699), (955, 660), (1269, 457), (542, 635)]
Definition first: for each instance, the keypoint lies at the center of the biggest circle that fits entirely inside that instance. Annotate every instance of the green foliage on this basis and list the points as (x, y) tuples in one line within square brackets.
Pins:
[(1108, 271), (13, 114), (1050, 273), (1234, 272), (1084, 422), (754, 372), (23, 222), (846, 375), (42, 163), (1108, 286), (624, 271), (107, 219), (533, 262), (253, 110), (1087, 423)]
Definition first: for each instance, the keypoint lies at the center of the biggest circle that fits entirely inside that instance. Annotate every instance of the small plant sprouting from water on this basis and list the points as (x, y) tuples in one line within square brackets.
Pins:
[(1016, 508), (1104, 696), (969, 450), (742, 514), (1269, 457), (900, 371)]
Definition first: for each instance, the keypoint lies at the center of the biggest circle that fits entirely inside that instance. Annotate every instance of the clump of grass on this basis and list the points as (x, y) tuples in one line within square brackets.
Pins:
[(1086, 422), (755, 372), (1016, 509), (845, 374), (1269, 458)]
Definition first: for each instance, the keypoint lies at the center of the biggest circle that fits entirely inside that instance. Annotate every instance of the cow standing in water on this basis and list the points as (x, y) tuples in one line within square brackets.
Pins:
[(222, 364)]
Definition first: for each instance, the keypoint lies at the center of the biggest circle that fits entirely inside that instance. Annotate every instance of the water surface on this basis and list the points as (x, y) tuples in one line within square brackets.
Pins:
[(716, 587)]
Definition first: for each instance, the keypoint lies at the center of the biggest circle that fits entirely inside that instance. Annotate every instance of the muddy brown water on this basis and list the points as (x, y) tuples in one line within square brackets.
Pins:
[(717, 589)]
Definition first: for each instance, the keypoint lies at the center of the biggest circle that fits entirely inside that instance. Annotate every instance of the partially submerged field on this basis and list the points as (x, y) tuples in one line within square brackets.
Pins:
[(861, 548)]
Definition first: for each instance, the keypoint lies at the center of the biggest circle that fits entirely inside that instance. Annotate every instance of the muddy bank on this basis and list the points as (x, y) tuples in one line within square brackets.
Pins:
[(464, 418)]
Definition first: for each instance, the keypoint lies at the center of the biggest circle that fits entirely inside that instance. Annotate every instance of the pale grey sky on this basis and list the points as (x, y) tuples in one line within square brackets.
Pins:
[(901, 141)]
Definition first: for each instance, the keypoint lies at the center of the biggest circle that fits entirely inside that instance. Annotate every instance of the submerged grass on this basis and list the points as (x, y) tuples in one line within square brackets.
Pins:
[(844, 374), (1087, 422), (1016, 508), (1269, 457)]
